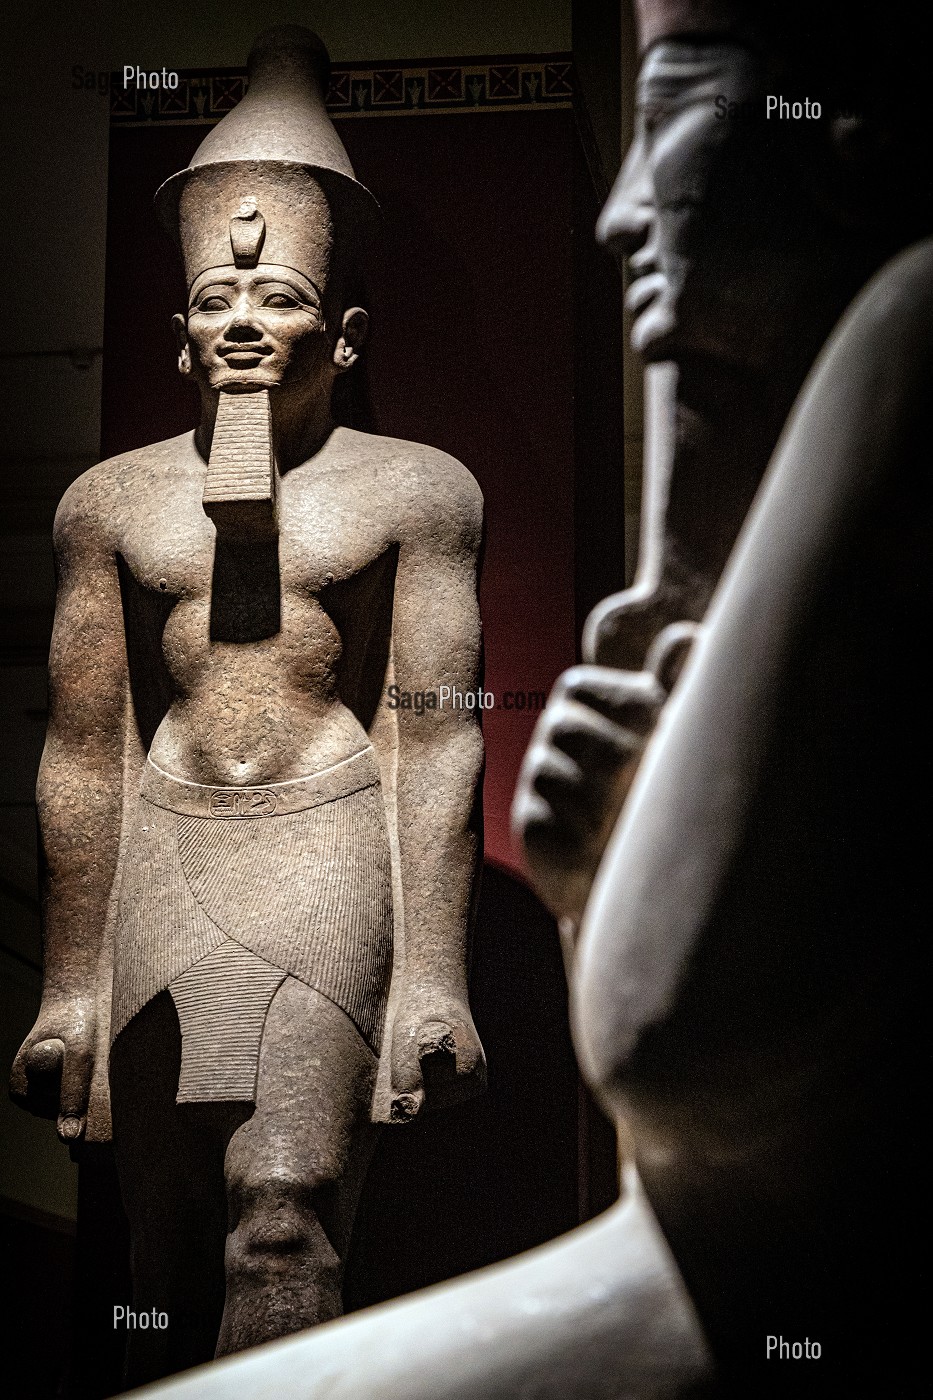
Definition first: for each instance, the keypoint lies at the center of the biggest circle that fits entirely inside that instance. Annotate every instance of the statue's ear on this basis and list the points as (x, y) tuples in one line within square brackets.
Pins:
[(860, 139), (863, 157), (180, 327), (350, 342)]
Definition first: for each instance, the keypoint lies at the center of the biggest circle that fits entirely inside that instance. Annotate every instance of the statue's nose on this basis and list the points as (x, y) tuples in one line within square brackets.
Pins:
[(242, 328), (628, 215)]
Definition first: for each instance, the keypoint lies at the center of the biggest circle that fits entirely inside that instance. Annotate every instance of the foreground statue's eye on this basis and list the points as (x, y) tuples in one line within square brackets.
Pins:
[(651, 116), (213, 304), (280, 300)]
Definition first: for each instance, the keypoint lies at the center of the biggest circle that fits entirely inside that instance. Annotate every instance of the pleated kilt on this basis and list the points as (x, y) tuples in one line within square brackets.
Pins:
[(227, 891)]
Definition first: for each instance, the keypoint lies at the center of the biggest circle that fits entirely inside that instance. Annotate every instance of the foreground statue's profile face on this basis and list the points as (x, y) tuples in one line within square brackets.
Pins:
[(725, 212), (680, 200)]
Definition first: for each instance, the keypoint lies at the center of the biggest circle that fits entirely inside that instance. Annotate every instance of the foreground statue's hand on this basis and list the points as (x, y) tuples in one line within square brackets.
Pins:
[(51, 1075), (437, 1057), (581, 762)]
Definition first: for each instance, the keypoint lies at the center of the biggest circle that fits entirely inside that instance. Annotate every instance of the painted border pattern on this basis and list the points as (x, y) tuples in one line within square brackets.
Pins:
[(506, 84)]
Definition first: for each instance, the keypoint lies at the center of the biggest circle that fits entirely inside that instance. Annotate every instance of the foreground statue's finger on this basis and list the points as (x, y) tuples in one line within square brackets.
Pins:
[(553, 774), (631, 698), (598, 744), (574, 795), (669, 651), (556, 833)]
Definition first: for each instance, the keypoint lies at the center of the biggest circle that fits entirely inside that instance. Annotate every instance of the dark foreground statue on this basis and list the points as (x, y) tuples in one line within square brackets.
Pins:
[(258, 878), (745, 986)]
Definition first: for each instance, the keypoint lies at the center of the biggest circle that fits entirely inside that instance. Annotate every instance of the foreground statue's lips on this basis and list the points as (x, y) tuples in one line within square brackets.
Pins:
[(643, 289)]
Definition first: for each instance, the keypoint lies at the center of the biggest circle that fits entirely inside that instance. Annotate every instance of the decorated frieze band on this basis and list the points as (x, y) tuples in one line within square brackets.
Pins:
[(516, 84)]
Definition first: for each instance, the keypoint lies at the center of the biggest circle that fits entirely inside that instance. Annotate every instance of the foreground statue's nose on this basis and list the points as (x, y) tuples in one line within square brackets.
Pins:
[(627, 215)]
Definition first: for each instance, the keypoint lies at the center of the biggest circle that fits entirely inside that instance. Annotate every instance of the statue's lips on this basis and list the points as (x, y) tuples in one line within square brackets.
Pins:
[(245, 357), (643, 290)]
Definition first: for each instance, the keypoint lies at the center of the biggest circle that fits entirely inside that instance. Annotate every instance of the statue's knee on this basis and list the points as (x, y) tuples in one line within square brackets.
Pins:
[(275, 1225)]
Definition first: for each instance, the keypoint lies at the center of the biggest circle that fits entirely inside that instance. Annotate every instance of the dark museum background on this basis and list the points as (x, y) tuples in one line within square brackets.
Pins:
[(494, 339)]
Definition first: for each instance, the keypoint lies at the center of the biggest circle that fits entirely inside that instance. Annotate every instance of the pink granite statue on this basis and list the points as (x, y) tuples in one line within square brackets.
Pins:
[(258, 877)]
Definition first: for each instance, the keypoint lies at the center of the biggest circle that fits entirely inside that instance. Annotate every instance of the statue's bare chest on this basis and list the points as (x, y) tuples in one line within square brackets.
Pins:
[(329, 533)]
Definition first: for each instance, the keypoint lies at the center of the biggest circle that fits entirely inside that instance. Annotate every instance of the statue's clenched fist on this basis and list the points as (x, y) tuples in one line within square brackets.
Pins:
[(51, 1075), (437, 1058)]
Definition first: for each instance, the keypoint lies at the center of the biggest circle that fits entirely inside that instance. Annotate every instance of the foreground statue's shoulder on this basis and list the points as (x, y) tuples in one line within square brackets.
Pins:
[(847, 434), (891, 320), (907, 281)]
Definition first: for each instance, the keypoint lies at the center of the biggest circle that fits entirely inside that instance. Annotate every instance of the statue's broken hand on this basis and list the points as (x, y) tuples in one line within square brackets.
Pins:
[(51, 1075), (437, 1057), (577, 771)]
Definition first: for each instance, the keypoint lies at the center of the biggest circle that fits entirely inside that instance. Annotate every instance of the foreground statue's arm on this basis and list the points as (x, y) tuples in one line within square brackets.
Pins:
[(80, 799), (730, 957), (600, 1314), (436, 643)]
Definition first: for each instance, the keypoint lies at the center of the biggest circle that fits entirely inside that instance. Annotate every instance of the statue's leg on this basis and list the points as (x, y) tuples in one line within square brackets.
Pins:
[(170, 1161), (295, 1169)]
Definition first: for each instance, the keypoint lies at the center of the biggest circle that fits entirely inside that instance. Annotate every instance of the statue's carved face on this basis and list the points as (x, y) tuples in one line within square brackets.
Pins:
[(701, 209), (262, 327)]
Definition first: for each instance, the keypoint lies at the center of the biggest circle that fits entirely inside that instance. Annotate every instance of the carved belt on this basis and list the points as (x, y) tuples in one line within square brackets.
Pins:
[(270, 800)]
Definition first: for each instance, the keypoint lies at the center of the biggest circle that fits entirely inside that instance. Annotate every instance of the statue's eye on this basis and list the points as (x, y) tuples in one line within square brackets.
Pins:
[(281, 301), (213, 303), (651, 115)]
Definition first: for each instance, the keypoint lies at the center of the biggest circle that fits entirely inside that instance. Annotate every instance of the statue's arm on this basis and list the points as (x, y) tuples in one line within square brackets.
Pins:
[(79, 797), (436, 644)]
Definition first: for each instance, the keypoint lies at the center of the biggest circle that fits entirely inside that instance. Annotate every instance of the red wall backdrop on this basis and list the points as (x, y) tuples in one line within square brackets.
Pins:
[(471, 292)]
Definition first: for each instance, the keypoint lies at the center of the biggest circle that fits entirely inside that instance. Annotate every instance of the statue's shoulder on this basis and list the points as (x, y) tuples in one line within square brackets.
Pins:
[(90, 500), (908, 278), (869, 382), (423, 485), (893, 312)]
